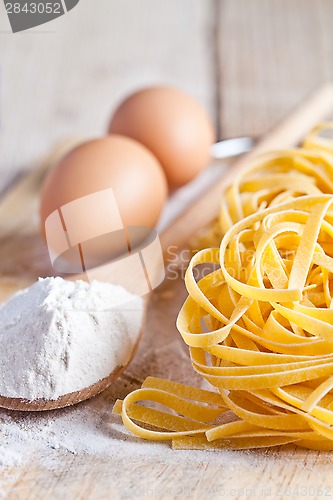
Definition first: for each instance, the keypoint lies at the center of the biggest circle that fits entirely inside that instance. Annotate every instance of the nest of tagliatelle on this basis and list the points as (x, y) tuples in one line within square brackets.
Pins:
[(259, 326)]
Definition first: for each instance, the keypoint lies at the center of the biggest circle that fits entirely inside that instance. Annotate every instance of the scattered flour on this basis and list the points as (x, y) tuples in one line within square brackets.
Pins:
[(90, 428), (59, 336)]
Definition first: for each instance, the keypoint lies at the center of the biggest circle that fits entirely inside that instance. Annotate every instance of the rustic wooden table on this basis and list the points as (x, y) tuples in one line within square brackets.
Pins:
[(248, 62)]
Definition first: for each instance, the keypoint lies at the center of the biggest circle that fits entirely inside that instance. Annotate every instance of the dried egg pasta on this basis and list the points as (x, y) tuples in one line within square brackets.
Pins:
[(259, 326)]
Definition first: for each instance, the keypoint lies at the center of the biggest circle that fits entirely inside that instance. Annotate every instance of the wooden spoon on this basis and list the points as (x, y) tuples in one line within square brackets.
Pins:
[(288, 133), (73, 398)]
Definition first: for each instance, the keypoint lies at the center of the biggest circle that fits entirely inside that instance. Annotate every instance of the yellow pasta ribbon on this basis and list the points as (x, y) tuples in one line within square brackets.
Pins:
[(259, 326)]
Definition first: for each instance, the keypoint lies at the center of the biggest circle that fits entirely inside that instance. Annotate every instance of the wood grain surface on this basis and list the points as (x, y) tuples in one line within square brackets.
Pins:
[(271, 55), (65, 78), (248, 62)]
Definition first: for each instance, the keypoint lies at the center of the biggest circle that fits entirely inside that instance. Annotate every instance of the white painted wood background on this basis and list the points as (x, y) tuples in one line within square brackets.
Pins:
[(248, 62)]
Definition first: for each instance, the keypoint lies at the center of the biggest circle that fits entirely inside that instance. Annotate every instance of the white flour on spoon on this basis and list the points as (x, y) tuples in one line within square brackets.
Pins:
[(59, 336)]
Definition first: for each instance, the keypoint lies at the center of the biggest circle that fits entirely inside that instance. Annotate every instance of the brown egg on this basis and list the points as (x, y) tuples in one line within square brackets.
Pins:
[(172, 125), (138, 185)]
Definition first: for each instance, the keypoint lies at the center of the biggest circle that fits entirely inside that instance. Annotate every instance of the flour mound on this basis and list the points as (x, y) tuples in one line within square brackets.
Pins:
[(60, 336)]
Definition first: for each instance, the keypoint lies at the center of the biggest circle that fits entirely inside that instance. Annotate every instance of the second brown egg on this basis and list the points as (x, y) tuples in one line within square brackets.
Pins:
[(172, 125)]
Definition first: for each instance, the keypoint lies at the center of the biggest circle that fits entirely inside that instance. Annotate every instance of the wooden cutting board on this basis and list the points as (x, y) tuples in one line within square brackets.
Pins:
[(143, 472)]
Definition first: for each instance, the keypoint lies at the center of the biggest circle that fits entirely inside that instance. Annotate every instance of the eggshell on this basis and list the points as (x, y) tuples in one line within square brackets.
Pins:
[(135, 176), (174, 126)]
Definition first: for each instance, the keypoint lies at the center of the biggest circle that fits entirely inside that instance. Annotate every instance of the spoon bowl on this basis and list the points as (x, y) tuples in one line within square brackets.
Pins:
[(73, 398)]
